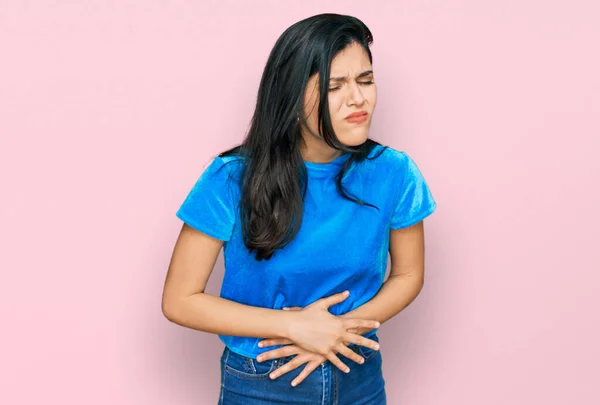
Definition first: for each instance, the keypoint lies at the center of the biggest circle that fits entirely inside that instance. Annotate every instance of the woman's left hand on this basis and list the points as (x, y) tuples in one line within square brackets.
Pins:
[(314, 360)]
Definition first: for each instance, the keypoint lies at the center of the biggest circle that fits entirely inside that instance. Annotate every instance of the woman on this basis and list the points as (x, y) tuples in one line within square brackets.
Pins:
[(306, 208)]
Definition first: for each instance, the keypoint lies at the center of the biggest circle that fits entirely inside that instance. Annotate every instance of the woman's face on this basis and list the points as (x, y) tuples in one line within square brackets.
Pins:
[(351, 89)]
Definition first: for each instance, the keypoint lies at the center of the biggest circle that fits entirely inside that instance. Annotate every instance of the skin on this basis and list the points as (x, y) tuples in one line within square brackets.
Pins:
[(353, 93), (312, 333), (398, 291)]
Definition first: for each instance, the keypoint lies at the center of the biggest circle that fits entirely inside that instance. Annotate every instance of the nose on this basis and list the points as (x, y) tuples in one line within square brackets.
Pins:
[(356, 97)]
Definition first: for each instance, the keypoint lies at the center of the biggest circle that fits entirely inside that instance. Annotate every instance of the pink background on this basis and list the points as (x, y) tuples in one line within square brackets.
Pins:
[(109, 110)]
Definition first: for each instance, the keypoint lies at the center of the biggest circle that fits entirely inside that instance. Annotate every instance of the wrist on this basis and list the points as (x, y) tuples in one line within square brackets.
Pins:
[(286, 324)]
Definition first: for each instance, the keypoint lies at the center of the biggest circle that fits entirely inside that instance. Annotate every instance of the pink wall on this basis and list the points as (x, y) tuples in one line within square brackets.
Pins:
[(109, 110)]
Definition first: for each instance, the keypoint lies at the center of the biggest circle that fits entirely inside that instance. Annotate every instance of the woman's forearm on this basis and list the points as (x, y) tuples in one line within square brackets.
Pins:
[(217, 315), (396, 293)]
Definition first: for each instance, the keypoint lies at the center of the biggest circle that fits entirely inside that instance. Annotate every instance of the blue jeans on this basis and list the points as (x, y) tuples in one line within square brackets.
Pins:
[(244, 381)]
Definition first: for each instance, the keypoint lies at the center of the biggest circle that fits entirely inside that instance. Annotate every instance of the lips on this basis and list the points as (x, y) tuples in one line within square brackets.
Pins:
[(357, 114)]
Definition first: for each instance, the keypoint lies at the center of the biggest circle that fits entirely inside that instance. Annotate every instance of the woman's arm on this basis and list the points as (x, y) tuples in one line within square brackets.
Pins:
[(185, 303), (405, 281), (212, 314)]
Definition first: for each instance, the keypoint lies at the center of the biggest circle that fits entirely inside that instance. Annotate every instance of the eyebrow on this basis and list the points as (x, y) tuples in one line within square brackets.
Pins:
[(342, 79)]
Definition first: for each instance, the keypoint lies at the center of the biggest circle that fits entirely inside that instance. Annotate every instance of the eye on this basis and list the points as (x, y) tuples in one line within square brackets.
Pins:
[(337, 88)]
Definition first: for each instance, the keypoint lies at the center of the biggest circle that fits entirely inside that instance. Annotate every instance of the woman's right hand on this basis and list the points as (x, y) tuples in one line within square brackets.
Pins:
[(315, 329)]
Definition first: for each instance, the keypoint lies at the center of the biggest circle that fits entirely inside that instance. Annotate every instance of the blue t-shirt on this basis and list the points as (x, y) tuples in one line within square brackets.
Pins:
[(341, 245)]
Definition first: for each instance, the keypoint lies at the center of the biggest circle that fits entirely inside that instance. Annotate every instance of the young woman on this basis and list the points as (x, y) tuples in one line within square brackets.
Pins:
[(305, 209)]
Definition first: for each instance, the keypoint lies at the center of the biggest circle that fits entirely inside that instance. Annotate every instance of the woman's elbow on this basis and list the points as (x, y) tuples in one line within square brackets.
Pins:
[(169, 308)]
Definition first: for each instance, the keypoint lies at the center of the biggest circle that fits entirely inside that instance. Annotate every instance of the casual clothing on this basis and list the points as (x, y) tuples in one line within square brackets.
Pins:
[(244, 381), (341, 245)]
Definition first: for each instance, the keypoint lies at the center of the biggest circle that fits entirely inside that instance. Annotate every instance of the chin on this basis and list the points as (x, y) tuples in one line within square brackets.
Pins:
[(355, 139)]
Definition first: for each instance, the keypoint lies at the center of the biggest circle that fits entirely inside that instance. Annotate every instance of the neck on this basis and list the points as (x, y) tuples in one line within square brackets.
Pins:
[(319, 152)]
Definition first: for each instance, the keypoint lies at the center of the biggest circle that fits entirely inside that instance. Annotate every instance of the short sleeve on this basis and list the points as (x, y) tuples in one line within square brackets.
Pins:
[(414, 201), (208, 207)]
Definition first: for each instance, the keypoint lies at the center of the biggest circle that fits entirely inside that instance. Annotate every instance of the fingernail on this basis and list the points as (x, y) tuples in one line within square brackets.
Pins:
[(377, 324), (272, 376), (376, 347), (294, 383), (346, 292), (286, 309), (259, 359), (347, 370), (260, 345), (362, 361)]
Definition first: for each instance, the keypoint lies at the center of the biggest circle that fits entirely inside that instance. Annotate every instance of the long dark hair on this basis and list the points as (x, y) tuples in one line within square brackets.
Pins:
[(274, 178)]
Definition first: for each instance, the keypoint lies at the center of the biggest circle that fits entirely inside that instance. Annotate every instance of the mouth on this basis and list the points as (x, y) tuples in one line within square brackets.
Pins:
[(357, 114), (357, 117)]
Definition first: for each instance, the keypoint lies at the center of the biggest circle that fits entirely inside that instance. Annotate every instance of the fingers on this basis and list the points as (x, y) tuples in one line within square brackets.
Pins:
[(334, 299), (310, 367), (277, 353), (289, 366), (335, 360), (361, 341), (351, 354), (274, 342), (359, 323)]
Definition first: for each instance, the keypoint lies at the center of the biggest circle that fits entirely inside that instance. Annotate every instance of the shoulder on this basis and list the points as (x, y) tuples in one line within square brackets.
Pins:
[(226, 170), (229, 164), (387, 160), (392, 155), (217, 174), (229, 159)]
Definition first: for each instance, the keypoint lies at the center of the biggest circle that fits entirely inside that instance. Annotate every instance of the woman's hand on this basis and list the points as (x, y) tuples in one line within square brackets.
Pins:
[(314, 360), (316, 330), (284, 341)]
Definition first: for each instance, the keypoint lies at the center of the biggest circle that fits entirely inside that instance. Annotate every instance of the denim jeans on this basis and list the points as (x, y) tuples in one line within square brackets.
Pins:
[(244, 381)]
